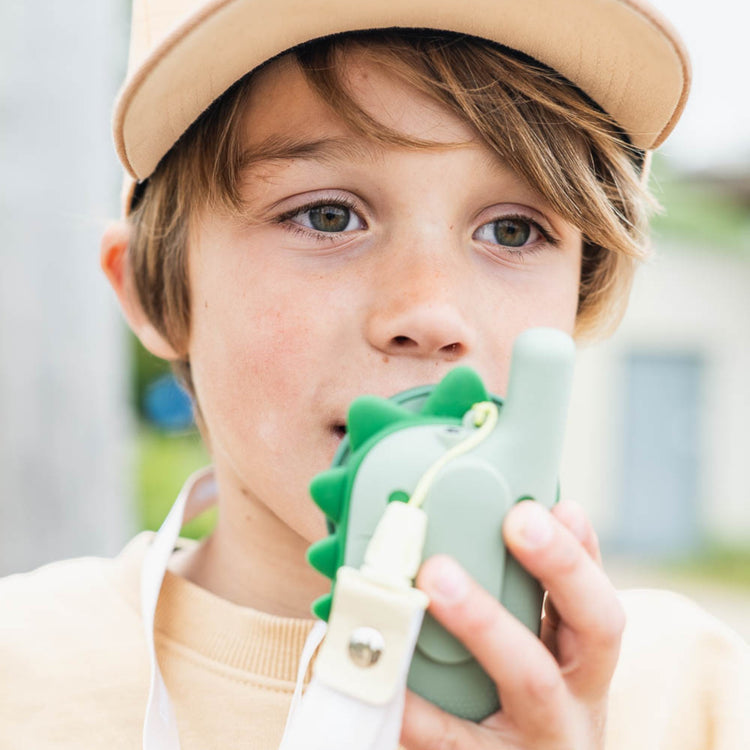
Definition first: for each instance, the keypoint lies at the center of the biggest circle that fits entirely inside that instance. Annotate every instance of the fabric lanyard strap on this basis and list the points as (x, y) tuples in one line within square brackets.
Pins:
[(330, 716), (197, 494)]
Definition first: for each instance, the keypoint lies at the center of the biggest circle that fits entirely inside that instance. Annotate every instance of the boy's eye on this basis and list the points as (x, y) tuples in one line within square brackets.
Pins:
[(509, 232), (328, 218)]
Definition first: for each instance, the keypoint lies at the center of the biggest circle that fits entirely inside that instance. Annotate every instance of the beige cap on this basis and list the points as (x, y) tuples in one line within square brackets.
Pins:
[(186, 53)]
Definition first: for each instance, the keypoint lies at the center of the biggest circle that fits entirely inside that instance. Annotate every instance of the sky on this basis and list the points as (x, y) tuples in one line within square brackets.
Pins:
[(715, 128)]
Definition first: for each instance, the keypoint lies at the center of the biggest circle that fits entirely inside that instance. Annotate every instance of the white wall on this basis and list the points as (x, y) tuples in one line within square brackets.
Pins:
[(685, 300)]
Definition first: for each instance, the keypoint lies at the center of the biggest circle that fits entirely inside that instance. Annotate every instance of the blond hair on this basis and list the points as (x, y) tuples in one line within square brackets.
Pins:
[(538, 123)]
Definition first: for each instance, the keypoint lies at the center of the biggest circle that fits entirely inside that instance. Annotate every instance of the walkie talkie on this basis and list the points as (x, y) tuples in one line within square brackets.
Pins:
[(392, 445)]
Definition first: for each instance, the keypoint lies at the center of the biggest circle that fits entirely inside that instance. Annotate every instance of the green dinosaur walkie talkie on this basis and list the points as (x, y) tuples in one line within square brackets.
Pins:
[(392, 443)]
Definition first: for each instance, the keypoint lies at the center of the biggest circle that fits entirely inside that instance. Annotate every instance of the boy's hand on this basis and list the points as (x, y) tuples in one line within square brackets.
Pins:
[(554, 690)]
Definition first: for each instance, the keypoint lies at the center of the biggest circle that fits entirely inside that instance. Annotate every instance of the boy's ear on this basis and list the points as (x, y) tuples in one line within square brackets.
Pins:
[(115, 262)]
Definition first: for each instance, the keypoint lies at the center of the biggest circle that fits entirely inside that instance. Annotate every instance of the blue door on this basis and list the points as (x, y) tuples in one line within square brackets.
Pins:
[(661, 460)]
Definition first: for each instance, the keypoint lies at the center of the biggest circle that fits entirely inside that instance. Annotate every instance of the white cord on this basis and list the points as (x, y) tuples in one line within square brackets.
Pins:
[(485, 418)]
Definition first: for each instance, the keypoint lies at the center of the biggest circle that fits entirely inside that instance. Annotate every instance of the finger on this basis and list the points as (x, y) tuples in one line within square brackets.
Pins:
[(574, 518), (591, 616), (532, 689), (426, 727)]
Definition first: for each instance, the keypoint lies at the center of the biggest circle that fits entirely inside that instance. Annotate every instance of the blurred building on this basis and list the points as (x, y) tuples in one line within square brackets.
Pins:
[(63, 372), (659, 439)]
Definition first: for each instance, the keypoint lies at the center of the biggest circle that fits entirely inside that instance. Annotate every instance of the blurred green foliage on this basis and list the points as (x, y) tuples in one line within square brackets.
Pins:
[(716, 562), (699, 215), (164, 461)]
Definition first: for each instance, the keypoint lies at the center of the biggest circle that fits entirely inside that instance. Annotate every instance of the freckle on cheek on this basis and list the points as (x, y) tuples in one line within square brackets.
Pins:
[(386, 359)]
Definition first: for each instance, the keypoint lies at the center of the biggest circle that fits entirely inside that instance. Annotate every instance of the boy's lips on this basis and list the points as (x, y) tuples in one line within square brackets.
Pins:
[(337, 423), (336, 418)]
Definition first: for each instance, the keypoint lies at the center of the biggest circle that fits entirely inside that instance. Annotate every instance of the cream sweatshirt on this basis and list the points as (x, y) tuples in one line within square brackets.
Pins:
[(74, 666)]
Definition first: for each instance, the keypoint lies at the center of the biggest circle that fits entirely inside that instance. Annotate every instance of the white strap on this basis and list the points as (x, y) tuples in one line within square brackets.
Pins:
[(327, 719), (355, 703), (314, 638), (198, 493)]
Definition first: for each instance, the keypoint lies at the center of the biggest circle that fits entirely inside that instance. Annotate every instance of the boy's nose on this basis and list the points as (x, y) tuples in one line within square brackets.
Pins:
[(421, 315)]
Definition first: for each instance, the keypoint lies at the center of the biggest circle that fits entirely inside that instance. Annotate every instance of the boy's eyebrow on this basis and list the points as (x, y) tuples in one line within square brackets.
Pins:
[(277, 148)]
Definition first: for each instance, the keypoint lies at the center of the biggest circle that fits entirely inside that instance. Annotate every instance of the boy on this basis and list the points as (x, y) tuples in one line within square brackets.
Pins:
[(359, 215)]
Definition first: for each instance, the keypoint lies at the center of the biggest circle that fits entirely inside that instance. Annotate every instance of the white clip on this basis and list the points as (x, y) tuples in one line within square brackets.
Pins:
[(371, 639)]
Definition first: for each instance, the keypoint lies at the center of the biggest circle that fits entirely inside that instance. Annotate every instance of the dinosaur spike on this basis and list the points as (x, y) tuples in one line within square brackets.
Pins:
[(398, 496), (456, 393), (324, 556), (321, 607), (368, 415), (328, 489)]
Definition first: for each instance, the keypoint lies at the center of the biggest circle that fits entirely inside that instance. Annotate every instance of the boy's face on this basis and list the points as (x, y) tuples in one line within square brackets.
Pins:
[(361, 268)]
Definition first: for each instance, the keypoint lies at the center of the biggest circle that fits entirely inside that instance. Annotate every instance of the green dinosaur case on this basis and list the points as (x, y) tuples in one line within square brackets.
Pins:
[(389, 446)]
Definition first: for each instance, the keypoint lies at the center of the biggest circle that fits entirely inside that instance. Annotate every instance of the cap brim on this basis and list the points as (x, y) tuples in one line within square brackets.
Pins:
[(621, 54)]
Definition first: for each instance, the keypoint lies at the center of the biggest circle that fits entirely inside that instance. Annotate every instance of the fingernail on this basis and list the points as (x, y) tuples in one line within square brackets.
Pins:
[(446, 579), (530, 525)]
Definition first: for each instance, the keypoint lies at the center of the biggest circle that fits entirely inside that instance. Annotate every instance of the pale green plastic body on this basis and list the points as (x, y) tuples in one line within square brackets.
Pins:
[(468, 502)]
